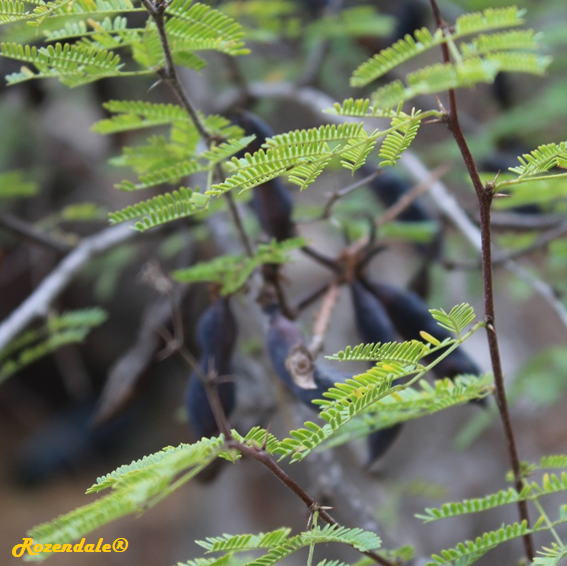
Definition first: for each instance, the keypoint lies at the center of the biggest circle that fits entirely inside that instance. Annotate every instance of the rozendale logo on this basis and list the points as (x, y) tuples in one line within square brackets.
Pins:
[(119, 545)]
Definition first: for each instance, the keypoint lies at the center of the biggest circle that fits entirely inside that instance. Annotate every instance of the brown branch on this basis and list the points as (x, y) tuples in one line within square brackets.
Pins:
[(311, 298), (169, 75), (337, 195), (322, 319), (30, 232), (484, 197)]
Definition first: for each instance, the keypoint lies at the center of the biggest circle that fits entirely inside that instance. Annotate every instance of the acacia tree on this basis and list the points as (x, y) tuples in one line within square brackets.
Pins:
[(88, 41)]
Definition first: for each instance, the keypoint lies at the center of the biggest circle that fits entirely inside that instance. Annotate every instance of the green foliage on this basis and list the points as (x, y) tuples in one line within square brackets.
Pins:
[(231, 272), (162, 209), (391, 57), (135, 488), (413, 403), (470, 551), (199, 27), (400, 139), (71, 327), (541, 160), (280, 545), (73, 65), (456, 320)]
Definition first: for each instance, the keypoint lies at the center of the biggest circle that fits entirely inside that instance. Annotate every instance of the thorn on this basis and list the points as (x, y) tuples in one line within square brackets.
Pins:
[(501, 195), (265, 443)]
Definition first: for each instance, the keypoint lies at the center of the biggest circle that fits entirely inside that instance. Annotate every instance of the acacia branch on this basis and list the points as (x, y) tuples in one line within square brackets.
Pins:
[(485, 196)]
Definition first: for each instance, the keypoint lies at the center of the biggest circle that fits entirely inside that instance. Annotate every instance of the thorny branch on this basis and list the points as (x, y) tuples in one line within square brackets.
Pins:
[(484, 197), (259, 454)]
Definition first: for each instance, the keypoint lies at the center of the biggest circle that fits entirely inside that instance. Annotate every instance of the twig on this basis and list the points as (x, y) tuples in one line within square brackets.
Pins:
[(502, 257), (322, 319), (405, 201), (29, 231), (324, 260), (126, 371), (311, 298), (337, 195), (485, 196), (517, 221), (38, 303)]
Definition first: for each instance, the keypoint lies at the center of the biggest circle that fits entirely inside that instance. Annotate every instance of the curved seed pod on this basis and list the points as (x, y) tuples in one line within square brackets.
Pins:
[(372, 321), (293, 363), (389, 188), (374, 325), (283, 336), (216, 333), (272, 201), (410, 316), (273, 206)]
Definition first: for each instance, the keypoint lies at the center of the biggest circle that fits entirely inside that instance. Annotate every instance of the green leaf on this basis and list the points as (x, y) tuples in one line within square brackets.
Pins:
[(201, 27), (163, 208), (231, 272)]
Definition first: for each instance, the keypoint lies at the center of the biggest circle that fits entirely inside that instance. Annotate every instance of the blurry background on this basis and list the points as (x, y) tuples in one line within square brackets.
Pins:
[(51, 452)]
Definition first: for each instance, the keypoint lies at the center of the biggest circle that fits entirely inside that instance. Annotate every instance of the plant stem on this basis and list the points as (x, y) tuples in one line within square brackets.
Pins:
[(169, 75), (484, 197)]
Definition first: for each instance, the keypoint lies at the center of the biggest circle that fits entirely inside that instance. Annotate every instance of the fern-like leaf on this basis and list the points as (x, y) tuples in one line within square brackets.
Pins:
[(231, 272), (203, 27), (456, 320), (170, 175), (541, 160), (71, 327), (489, 19), (406, 352), (481, 545), (243, 543), (525, 40), (162, 209), (73, 65), (391, 57), (398, 141), (135, 488)]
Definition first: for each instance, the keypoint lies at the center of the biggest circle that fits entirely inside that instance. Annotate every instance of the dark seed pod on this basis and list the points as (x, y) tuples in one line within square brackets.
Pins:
[(410, 315), (273, 206), (374, 325), (410, 15), (216, 333), (372, 320), (272, 201), (293, 365)]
